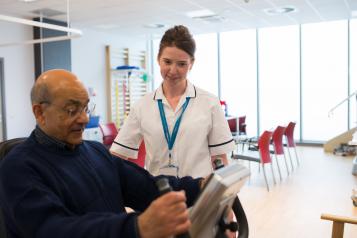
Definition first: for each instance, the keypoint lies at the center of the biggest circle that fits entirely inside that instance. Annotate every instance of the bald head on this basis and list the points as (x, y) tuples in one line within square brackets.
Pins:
[(49, 82), (60, 104)]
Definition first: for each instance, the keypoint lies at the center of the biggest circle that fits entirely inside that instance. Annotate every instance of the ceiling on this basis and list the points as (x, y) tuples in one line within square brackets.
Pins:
[(129, 17)]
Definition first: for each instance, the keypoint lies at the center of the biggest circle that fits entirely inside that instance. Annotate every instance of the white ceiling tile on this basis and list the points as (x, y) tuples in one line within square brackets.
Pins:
[(131, 15)]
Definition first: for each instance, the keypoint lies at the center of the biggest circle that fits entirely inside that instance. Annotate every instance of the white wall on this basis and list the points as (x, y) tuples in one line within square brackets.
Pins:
[(19, 78), (88, 61)]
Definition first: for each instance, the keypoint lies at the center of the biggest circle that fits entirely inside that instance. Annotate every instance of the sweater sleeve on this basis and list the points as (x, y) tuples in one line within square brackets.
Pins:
[(139, 186), (32, 209)]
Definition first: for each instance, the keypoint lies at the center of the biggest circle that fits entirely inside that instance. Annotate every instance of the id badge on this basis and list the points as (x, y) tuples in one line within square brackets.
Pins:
[(170, 170)]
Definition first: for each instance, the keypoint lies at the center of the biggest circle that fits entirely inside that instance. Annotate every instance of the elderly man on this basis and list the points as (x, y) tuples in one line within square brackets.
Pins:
[(56, 185)]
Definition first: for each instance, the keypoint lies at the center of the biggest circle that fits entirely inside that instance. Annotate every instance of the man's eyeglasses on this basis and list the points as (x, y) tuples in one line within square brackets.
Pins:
[(74, 110)]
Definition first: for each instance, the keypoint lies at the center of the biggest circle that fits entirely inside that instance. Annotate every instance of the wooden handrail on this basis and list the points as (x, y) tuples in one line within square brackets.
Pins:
[(338, 223)]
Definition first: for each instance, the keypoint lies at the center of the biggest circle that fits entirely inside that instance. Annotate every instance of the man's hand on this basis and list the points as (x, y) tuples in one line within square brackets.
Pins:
[(166, 216)]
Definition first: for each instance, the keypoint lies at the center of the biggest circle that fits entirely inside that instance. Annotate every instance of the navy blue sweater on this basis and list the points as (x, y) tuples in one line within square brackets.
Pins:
[(47, 192)]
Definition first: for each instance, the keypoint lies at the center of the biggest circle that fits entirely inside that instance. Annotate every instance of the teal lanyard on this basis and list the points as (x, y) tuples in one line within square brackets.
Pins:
[(170, 139)]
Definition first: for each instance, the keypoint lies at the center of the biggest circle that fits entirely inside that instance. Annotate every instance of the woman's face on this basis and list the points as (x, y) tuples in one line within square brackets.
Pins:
[(174, 64)]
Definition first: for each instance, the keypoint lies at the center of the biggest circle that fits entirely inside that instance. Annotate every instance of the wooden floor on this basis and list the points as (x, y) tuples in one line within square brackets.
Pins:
[(292, 208)]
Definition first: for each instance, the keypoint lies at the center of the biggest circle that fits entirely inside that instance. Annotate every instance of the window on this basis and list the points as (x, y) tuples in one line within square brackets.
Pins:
[(324, 79), (239, 75), (279, 77), (204, 73), (353, 72)]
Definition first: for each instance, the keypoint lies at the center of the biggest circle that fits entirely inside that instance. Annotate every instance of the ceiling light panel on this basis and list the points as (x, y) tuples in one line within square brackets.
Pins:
[(200, 13), (280, 10)]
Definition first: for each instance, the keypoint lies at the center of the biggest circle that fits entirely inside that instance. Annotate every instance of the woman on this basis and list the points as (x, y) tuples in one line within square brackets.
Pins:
[(183, 126)]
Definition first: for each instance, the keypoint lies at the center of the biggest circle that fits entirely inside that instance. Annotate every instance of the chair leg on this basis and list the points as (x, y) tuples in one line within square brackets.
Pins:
[(277, 163), (296, 156), (291, 161), (286, 164), (337, 229), (265, 177), (272, 172), (249, 171)]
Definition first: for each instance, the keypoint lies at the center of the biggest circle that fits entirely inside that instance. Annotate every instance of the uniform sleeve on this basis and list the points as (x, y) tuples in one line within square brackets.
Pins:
[(129, 137), (220, 139), (32, 209)]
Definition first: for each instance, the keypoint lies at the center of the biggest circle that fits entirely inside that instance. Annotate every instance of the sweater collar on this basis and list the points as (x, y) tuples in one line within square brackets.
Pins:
[(50, 141)]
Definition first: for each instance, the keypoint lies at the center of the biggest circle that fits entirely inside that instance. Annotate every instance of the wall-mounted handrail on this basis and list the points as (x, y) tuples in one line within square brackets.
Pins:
[(330, 112)]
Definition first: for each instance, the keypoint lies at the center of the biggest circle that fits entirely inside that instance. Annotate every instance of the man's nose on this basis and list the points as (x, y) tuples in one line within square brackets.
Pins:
[(83, 117)]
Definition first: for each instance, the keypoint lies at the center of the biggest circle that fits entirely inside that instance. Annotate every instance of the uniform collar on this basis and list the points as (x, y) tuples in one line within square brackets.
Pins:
[(190, 92)]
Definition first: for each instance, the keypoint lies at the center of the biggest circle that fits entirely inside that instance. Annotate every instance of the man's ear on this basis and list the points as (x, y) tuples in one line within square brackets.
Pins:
[(37, 110)]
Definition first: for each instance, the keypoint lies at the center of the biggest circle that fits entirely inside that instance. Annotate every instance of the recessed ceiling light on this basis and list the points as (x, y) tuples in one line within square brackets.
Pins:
[(211, 19), (200, 13), (154, 25), (27, 0), (280, 10)]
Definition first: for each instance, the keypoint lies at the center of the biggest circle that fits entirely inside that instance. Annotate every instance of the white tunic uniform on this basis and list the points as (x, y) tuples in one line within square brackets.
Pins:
[(203, 132)]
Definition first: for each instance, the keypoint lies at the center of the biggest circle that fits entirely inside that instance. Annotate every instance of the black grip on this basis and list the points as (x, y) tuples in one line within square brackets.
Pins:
[(218, 164), (164, 187)]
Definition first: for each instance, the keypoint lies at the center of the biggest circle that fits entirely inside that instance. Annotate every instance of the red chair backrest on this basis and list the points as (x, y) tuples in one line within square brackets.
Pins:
[(289, 133), (232, 123), (263, 143), (141, 156), (277, 138), (109, 131), (242, 125)]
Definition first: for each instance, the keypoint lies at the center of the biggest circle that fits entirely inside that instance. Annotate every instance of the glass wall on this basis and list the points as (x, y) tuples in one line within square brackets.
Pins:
[(324, 79), (204, 73), (279, 77), (298, 73), (353, 72), (239, 75)]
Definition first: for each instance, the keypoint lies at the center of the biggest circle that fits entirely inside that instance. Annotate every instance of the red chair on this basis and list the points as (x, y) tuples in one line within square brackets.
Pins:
[(264, 154), (277, 140), (242, 126), (232, 123), (141, 156), (110, 131), (290, 142)]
